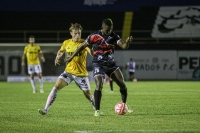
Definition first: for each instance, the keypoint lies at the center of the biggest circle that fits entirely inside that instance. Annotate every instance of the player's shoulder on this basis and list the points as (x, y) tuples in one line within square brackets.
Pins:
[(67, 41), (28, 45), (114, 34), (36, 46), (94, 34), (81, 40)]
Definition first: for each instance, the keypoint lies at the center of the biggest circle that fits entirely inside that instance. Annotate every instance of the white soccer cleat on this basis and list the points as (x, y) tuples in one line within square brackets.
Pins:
[(130, 110), (101, 112), (42, 111), (41, 91), (111, 91)]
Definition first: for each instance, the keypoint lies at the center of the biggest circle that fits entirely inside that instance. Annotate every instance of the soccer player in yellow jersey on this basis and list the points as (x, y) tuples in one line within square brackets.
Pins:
[(75, 70), (31, 52)]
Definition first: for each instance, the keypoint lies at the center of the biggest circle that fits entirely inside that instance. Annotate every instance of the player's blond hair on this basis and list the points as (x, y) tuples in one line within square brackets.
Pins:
[(75, 26)]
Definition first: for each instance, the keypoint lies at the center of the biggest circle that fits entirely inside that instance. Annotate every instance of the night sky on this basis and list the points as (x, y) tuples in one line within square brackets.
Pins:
[(78, 5)]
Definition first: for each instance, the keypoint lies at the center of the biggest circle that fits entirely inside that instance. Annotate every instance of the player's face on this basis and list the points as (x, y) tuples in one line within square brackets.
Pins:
[(31, 40), (76, 35), (106, 30)]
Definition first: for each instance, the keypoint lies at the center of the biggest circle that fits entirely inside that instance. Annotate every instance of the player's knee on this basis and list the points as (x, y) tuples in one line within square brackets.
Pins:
[(99, 87)]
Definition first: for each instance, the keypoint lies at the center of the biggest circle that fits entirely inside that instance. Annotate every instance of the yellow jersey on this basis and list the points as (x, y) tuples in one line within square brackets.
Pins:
[(32, 52), (78, 64)]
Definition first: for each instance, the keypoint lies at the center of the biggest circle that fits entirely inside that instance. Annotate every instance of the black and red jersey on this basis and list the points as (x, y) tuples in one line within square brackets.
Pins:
[(103, 46)]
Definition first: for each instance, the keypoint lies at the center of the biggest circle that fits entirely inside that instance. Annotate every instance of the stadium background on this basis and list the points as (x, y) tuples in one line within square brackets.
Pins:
[(175, 55)]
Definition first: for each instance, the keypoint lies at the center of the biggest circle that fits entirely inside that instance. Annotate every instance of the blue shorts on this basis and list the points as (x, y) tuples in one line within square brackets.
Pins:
[(99, 69)]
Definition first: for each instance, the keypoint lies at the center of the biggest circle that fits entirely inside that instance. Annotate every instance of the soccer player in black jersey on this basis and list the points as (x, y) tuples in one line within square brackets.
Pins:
[(103, 43)]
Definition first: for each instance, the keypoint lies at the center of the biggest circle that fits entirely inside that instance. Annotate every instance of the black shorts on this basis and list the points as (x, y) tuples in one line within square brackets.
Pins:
[(131, 73), (99, 69)]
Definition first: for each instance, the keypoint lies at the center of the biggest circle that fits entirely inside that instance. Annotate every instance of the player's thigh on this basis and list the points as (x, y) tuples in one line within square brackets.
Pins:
[(60, 83), (63, 80), (82, 82)]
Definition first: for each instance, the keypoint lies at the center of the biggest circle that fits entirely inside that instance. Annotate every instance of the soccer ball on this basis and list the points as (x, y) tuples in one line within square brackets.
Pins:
[(121, 108)]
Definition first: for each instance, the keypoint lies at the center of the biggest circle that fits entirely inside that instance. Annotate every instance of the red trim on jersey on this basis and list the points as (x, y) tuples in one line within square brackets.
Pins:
[(95, 38), (101, 52)]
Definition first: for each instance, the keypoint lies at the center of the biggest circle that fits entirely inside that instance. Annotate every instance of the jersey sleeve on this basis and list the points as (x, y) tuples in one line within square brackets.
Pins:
[(39, 49), (87, 49), (117, 39), (113, 39), (62, 48), (25, 50)]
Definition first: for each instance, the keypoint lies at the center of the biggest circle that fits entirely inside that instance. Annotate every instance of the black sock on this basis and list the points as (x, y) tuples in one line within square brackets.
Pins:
[(97, 97), (111, 85), (123, 95)]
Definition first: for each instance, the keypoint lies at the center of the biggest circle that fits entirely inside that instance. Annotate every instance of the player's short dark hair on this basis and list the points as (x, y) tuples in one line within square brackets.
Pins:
[(107, 22)]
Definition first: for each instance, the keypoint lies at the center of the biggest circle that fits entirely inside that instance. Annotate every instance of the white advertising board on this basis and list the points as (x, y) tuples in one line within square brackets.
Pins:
[(187, 62), (151, 64)]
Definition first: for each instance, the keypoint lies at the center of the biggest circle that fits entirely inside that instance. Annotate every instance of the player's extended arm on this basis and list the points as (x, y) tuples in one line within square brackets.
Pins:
[(42, 56), (58, 56), (78, 50), (90, 51), (23, 59), (126, 44)]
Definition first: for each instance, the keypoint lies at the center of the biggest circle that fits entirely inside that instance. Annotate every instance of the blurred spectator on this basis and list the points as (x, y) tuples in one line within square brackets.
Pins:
[(131, 69)]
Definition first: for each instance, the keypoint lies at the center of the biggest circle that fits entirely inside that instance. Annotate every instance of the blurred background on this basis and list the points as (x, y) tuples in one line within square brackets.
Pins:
[(166, 34)]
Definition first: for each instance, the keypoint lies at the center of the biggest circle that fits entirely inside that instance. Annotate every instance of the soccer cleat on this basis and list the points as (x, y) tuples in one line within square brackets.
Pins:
[(111, 91), (101, 112), (34, 91), (41, 91), (130, 110), (97, 113), (42, 111)]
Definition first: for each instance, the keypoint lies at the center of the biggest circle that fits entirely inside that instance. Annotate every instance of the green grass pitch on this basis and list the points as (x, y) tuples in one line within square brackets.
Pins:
[(159, 107)]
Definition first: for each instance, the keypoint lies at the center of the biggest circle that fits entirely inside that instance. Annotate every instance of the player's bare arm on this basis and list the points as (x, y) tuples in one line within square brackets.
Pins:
[(90, 51), (126, 44), (78, 50), (23, 58), (58, 56), (42, 56)]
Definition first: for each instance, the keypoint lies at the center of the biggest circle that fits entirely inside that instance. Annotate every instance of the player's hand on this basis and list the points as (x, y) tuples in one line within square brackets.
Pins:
[(23, 63), (43, 59), (129, 39), (57, 61), (67, 60)]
